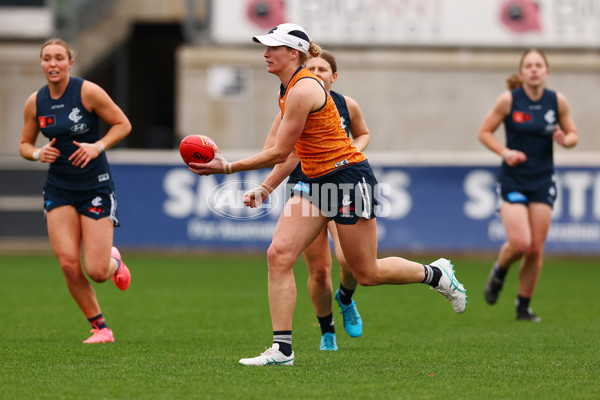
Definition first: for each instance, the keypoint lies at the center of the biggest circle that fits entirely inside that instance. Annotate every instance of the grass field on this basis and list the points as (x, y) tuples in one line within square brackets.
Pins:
[(187, 319)]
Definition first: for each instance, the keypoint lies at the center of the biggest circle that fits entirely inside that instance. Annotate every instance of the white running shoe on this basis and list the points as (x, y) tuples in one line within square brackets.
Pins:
[(271, 356), (450, 287)]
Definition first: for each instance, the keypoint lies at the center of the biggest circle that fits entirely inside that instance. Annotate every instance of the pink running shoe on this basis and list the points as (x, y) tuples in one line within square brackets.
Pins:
[(121, 278), (103, 335)]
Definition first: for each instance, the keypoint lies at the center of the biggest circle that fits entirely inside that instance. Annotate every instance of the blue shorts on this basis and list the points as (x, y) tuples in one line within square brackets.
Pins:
[(344, 195), (543, 194), (94, 203)]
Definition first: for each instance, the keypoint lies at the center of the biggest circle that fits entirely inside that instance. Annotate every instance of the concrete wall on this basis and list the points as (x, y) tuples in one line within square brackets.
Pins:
[(412, 100), (20, 75)]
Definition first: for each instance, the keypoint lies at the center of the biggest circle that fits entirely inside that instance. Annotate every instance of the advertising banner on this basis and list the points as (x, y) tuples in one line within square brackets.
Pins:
[(421, 208), (512, 23)]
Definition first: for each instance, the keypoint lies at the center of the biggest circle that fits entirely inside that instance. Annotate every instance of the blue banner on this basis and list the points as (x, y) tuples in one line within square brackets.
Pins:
[(422, 208)]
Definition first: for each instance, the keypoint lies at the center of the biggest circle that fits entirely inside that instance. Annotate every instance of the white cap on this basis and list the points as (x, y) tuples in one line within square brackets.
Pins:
[(290, 35)]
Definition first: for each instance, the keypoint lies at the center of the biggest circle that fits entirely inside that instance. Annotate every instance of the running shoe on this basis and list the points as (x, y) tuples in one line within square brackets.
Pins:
[(271, 356), (492, 287), (121, 278), (103, 335), (328, 342), (352, 321), (450, 287)]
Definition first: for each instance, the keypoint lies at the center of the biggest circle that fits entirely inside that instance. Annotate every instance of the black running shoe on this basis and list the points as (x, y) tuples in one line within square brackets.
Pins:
[(527, 315), (492, 288)]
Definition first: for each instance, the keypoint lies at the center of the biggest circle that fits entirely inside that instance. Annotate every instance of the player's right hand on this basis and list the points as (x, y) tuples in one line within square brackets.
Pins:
[(49, 153), (515, 157)]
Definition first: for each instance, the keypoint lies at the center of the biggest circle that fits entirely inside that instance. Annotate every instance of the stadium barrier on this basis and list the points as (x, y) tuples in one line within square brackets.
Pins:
[(427, 202)]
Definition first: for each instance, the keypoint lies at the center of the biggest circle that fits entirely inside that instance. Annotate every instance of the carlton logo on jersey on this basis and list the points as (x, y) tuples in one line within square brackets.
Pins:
[(75, 115), (46, 120), (550, 118)]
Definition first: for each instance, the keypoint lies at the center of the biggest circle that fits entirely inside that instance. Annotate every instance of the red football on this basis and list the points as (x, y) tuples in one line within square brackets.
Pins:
[(196, 149)]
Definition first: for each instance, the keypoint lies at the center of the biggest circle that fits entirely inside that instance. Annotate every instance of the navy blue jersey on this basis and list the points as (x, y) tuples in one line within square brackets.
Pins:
[(342, 107), (66, 119), (529, 128)]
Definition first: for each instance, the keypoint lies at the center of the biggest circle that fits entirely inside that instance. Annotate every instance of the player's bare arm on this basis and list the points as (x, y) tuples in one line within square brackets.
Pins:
[(29, 135), (270, 140), (298, 105), (565, 133), (256, 196), (358, 127), (96, 100), (490, 124)]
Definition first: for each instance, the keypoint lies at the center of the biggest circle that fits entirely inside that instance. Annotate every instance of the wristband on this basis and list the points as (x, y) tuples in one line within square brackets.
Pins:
[(36, 155), (99, 146), (226, 164), (259, 191), (266, 188), (506, 153)]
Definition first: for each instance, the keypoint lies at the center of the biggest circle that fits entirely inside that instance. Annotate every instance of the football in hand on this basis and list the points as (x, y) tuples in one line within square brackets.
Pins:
[(196, 149)]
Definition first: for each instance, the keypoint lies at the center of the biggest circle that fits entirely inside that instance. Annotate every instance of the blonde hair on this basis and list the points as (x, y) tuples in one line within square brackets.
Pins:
[(513, 81), (60, 42), (313, 49)]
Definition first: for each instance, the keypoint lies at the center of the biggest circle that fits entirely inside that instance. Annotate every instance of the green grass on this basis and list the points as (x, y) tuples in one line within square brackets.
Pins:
[(187, 319)]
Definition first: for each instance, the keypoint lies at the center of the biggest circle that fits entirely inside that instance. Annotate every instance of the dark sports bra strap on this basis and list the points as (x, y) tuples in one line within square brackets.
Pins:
[(322, 87)]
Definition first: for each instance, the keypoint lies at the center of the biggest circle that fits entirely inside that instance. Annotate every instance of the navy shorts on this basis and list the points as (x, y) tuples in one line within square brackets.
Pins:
[(344, 195), (297, 175), (545, 193), (94, 203)]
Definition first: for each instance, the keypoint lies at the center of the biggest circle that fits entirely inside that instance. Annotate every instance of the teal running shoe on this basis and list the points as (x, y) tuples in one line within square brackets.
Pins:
[(328, 342), (352, 322)]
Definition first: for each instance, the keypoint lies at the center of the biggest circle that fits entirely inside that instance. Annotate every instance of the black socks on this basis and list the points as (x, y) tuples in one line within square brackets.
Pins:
[(345, 295), (432, 275), (523, 303), (284, 339), (326, 324), (499, 273)]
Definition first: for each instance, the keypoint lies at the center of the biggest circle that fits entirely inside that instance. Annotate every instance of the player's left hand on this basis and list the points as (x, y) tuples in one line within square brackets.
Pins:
[(255, 197), (84, 154)]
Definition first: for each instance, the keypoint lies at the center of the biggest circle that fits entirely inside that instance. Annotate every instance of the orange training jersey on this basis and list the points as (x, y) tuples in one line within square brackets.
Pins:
[(323, 145)]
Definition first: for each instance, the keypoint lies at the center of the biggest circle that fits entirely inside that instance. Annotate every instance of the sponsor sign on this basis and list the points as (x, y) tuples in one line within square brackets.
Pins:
[(513, 23), (421, 208)]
